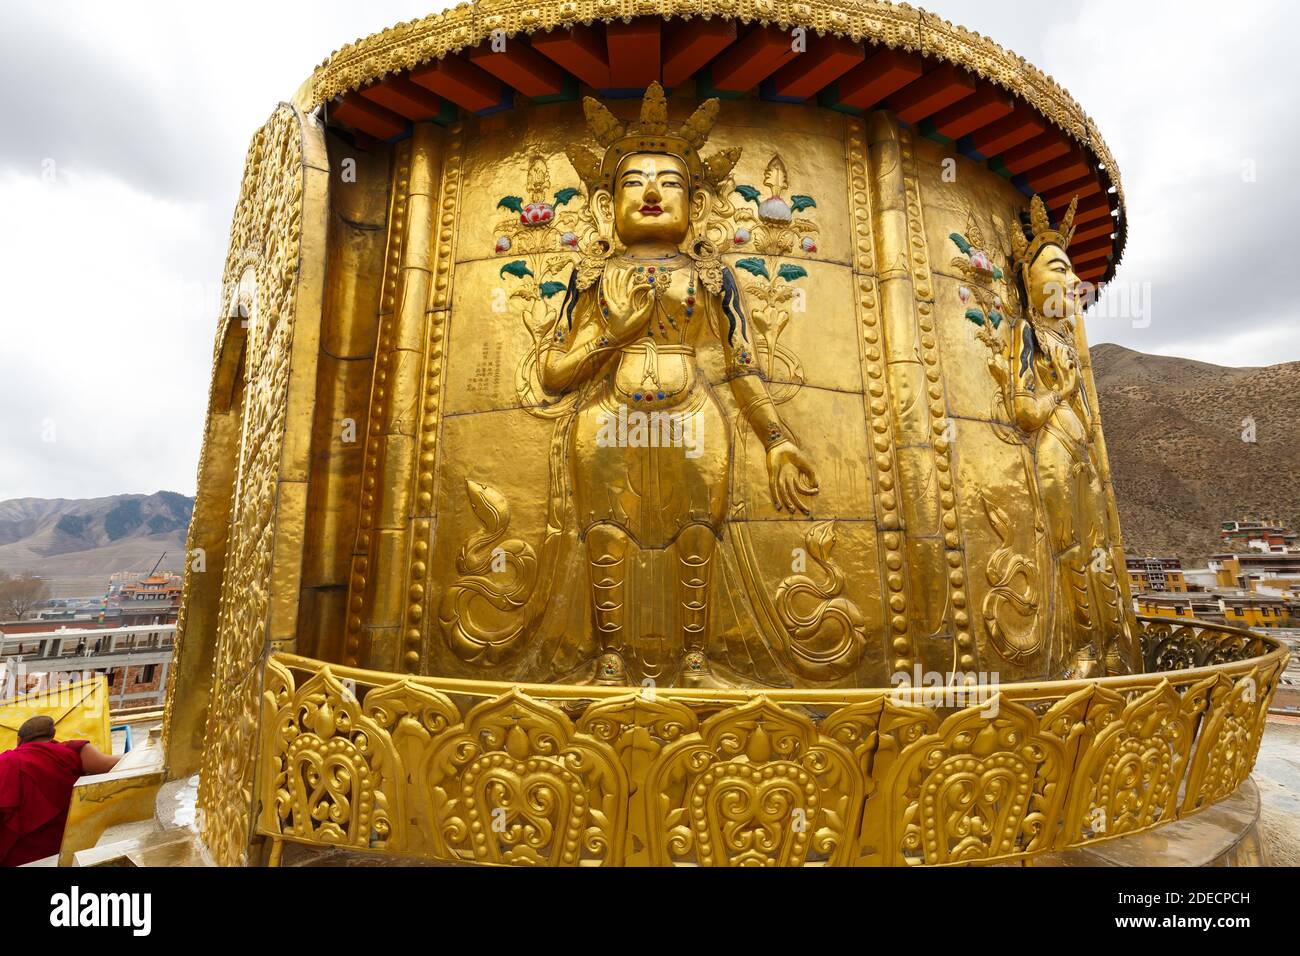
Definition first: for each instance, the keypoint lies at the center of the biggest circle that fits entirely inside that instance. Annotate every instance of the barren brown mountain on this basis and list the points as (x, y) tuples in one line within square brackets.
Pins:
[(1178, 459), (76, 544)]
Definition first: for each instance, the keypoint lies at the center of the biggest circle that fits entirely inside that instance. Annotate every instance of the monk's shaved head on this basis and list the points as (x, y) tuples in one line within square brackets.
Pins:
[(40, 727)]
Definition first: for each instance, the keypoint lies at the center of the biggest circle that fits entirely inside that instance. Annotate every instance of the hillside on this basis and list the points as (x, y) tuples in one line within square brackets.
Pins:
[(77, 543), (1180, 467)]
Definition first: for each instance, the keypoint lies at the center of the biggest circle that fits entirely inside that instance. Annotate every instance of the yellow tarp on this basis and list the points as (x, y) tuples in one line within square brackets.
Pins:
[(80, 712)]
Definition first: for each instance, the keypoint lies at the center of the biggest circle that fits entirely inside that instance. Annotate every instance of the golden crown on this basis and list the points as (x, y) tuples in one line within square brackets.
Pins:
[(651, 134), (1027, 242)]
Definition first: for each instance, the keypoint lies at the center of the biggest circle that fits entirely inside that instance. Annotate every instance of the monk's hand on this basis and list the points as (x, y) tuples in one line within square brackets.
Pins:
[(790, 477)]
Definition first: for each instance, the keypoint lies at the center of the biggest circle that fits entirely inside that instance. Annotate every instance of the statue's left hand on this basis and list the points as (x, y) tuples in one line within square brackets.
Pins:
[(1068, 372), (790, 476)]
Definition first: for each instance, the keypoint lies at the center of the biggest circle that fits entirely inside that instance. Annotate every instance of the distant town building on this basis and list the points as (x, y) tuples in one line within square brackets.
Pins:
[(130, 600), (1156, 575), (156, 587), (1239, 610), (1273, 572), (1262, 534), (136, 661)]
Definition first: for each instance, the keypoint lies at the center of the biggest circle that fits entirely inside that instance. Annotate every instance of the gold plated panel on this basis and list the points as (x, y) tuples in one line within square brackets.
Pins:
[(277, 256)]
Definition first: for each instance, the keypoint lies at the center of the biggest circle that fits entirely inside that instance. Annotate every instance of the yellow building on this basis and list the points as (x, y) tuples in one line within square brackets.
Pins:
[(1238, 610), (1279, 571), (1156, 574)]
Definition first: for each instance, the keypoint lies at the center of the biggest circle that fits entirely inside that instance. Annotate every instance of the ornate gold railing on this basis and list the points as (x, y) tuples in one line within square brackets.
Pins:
[(483, 772)]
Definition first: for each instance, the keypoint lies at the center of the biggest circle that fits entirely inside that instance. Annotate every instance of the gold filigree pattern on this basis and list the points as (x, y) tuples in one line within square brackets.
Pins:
[(1228, 738), (515, 783), (676, 777), (266, 239), (827, 631), (1128, 778), (334, 780), (988, 783), (756, 786)]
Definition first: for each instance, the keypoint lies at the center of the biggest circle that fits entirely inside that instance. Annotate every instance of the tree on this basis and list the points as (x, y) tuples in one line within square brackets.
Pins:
[(20, 594)]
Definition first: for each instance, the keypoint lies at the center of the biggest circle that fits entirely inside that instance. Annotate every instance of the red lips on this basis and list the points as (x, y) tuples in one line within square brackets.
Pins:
[(651, 211)]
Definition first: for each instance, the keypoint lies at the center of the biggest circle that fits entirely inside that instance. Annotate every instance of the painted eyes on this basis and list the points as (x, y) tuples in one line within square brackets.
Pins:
[(663, 183)]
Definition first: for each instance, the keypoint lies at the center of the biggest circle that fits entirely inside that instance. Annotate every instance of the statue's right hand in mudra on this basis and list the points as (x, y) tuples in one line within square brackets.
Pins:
[(630, 304)]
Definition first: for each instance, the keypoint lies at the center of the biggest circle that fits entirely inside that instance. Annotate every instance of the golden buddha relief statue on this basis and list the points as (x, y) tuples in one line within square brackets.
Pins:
[(650, 324), (684, 510), (1071, 591)]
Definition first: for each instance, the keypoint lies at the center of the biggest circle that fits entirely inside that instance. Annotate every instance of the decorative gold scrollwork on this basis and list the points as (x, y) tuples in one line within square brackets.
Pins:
[(272, 239), (988, 783), (337, 779), (670, 777), (515, 783), (1128, 777), (482, 612), (1228, 739), (827, 631), (756, 786)]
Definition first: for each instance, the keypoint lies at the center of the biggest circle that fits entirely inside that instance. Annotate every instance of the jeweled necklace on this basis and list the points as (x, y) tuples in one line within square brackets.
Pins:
[(659, 280)]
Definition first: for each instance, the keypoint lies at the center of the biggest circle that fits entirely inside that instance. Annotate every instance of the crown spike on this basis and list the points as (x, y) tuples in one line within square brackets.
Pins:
[(586, 163), (1038, 218), (696, 129), (654, 111), (604, 125), (1067, 223), (1028, 239)]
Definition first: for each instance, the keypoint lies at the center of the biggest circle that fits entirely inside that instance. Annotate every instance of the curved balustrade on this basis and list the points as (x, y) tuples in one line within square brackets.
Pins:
[(483, 772)]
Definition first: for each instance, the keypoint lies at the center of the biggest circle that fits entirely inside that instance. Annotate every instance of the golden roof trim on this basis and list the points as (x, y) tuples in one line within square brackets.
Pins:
[(900, 26)]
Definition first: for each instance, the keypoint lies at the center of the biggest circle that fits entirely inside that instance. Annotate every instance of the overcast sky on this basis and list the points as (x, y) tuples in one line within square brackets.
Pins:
[(125, 127)]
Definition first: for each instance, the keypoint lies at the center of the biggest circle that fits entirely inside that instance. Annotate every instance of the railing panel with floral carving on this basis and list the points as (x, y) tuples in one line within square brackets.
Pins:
[(478, 772)]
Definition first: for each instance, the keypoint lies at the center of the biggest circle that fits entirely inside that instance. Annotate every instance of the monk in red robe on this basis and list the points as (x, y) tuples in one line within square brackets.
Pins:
[(36, 780)]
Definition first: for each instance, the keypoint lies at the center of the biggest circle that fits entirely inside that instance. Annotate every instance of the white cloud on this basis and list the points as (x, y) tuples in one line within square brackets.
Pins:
[(1186, 94), (105, 333), (112, 270)]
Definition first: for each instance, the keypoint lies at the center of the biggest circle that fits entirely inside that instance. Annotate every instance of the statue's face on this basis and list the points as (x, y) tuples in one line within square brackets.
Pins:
[(1051, 284), (652, 198)]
